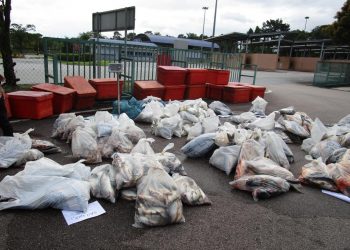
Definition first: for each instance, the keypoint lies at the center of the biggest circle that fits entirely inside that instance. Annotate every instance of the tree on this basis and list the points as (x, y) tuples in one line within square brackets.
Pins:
[(86, 35), (181, 36), (20, 36), (148, 32), (5, 42), (257, 30), (275, 26), (130, 36), (192, 36), (117, 35), (341, 32), (322, 32), (250, 31)]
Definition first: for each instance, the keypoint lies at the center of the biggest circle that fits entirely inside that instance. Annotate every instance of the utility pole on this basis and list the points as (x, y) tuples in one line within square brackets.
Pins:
[(212, 43)]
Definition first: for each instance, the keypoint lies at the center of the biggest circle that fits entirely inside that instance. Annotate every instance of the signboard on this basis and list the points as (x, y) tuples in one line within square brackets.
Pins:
[(113, 20)]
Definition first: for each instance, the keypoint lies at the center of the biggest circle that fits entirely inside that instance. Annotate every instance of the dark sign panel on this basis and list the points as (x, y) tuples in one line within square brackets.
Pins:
[(113, 20)]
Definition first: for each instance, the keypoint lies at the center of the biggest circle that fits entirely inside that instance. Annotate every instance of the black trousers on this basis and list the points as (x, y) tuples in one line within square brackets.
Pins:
[(4, 122)]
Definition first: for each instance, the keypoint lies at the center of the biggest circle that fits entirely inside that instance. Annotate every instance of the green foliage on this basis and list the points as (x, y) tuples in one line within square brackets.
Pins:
[(322, 32), (22, 39), (257, 30), (130, 36), (250, 31), (193, 36), (157, 33), (275, 26), (86, 35), (181, 36), (341, 27), (70, 57)]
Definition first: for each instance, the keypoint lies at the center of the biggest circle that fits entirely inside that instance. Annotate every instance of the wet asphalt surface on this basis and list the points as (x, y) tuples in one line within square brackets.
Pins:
[(310, 220)]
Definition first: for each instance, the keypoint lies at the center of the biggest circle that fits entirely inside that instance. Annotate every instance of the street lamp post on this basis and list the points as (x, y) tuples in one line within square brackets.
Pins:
[(306, 18), (212, 43), (205, 9)]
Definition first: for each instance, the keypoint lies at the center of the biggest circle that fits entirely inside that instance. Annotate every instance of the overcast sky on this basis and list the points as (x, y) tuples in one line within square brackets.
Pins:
[(68, 18)]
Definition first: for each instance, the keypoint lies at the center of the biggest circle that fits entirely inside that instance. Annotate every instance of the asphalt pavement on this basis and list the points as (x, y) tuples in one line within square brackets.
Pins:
[(311, 220)]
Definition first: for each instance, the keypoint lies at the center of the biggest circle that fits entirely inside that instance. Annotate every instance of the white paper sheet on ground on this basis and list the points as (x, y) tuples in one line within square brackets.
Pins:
[(94, 209), (337, 195)]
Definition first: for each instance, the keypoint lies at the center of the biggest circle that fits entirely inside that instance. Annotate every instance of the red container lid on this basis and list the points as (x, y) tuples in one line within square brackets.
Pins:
[(149, 84), (252, 86), (230, 86), (79, 84), (215, 86), (175, 87), (25, 95), (56, 89), (104, 80), (196, 70), (171, 68)]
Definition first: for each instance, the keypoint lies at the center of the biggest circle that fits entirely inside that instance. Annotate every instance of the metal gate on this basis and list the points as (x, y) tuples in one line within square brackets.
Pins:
[(90, 59)]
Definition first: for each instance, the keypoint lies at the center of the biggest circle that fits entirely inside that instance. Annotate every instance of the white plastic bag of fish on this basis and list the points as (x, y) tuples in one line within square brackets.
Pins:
[(225, 158), (118, 141), (102, 182), (324, 149), (258, 106), (158, 200), (171, 164), (84, 145), (14, 148), (266, 123), (245, 117), (129, 194), (220, 108), (199, 146), (71, 126), (277, 150), (345, 121), (210, 124), (191, 193), (131, 167), (318, 131), (152, 111), (317, 173), (30, 155), (144, 147), (168, 127), (261, 186), (60, 124), (194, 131), (37, 192), (46, 147)]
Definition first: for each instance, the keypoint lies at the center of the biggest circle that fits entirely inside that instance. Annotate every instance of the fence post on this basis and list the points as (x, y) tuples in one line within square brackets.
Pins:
[(46, 61), (55, 69), (94, 59)]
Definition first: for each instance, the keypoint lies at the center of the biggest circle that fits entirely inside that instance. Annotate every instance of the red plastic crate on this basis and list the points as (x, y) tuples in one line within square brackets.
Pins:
[(175, 92), (85, 97), (8, 107), (106, 88), (196, 91), (164, 59), (255, 91), (142, 89), (62, 96), (214, 92), (171, 75), (218, 76), (31, 104), (236, 94), (196, 76)]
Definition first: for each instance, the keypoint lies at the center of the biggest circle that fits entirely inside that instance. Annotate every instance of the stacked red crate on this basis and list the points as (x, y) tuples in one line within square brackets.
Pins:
[(85, 97), (195, 83), (216, 80), (106, 88), (173, 79), (31, 104), (142, 89), (255, 90), (234, 93), (8, 107), (62, 96)]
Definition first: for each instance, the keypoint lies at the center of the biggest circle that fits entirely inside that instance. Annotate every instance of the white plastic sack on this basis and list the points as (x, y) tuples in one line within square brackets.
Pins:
[(158, 201), (102, 182), (243, 118), (345, 120), (60, 124), (131, 167), (171, 109), (104, 129), (30, 155), (221, 139), (296, 129), (267, 123), (151, 112), (220, 108), (194, 131), (144, 147), (71, 126), (259, 106), (14, 148), (274, 149), (84, 145), (307, 145), (241, 135), (210, 124), (37, 192), (324, 149), (168, 127), (188, 117), (191, 193), (171, 164), (225, 158), (318, 131), (118, 141), (199, 146)]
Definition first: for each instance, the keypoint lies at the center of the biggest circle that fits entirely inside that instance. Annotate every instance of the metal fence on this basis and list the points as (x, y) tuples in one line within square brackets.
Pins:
[(90, 59), (332, 74)]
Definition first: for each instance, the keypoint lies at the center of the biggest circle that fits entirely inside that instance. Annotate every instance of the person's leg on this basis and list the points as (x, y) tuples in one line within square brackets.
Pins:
[(4, 122)]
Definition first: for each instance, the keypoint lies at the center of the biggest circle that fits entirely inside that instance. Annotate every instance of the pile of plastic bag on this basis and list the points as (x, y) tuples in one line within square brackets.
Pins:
[(19, 149), (98, 136)]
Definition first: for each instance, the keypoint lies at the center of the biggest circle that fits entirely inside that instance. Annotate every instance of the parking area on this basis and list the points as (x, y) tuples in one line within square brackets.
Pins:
[(311, 220)]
